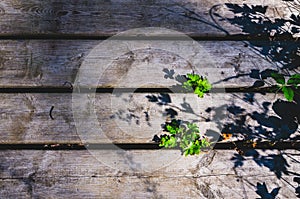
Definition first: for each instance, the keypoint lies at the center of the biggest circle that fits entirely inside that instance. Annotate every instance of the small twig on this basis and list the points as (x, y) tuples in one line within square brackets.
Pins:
[(50, 112)]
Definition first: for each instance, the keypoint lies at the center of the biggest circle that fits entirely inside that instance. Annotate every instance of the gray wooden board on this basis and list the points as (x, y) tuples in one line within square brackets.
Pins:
[(110, 17), (45, 63), (24, 118), (57, 174), (121, 117)]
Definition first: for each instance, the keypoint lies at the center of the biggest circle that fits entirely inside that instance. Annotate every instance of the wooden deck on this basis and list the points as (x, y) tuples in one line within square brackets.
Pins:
[(45, 154)]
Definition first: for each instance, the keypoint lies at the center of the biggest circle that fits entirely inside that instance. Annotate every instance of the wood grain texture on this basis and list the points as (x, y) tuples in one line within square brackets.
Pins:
[(132, 118), (110, 17), (78, 174), (52, 118), (32, 63)]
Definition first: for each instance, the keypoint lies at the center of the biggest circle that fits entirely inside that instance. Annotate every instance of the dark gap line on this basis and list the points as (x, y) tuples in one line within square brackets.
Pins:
[(149, 146), (129, 90), (64, 36)]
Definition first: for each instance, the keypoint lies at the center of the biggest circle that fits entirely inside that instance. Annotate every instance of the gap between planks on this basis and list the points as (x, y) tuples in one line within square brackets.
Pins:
[(239, 145), (65, 89), (211, 37)]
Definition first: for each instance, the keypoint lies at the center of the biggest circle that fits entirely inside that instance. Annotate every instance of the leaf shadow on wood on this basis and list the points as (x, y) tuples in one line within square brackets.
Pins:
[(267, 121), (163, 99), (263, 192), (275, 40), (266, 126), (131, 113), (271, 122), (297, 189), (272, 38), (276, 163), (171, 110)]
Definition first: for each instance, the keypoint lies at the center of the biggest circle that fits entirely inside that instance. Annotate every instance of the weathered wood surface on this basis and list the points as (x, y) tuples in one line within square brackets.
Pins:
[(36, 63), (109, 17), (132, 118), (77, 174)]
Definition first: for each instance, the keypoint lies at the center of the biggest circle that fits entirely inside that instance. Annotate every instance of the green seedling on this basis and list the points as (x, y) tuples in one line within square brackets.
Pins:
[(187, 137), (287, 87), (199, 84)]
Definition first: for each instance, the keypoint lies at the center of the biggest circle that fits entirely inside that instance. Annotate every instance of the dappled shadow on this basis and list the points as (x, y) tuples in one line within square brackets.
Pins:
[(297, 190), (267, 121), (274, 122), (264, 125), (272, 38), (164, 99), (127, 109), (260, 125), (275, 163), (275, 40), (263, 192)]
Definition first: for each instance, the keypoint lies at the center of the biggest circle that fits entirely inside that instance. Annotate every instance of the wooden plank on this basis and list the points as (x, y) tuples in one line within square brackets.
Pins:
[(132, 118), (110, 17), (78, 174), (123, 187), (44, 63)]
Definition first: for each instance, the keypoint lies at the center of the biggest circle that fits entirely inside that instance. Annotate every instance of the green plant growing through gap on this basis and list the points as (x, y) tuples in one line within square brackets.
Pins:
[(187, 136), (288, 87), (197, 83)]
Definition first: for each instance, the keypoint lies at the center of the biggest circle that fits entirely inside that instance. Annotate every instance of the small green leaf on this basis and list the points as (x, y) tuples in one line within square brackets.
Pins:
[(279, 78), (199, 92), (171, 129), (168, 141), (193, 77), (193, 127), (186, 136), (198, 83), (288, 93), (294, 80), (205, 84), (205, 143), (172, 142)]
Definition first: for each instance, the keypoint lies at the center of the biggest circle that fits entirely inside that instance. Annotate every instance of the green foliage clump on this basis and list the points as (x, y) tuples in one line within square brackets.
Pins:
[(197, 83), (187, 137), (287, 87), (168, 141)]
